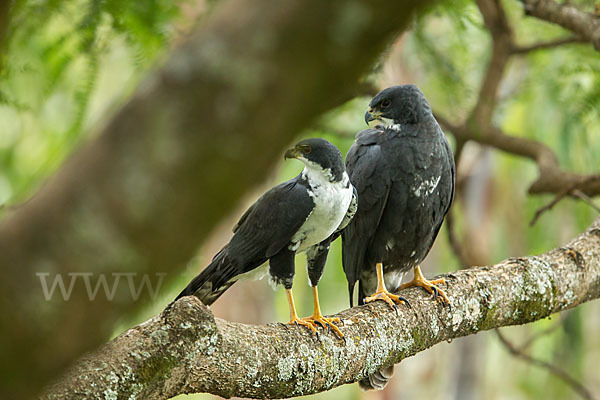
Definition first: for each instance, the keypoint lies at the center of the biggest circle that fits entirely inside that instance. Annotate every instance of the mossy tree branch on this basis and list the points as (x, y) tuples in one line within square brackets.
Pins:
[(187, 350)]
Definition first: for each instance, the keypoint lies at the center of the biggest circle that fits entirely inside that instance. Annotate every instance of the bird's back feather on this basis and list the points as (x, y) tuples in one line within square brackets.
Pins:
[(263, 230)]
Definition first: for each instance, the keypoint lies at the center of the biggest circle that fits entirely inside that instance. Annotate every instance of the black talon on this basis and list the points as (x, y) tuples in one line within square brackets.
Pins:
[(407, 302), (395, 309), (436, 294), (320, 324)]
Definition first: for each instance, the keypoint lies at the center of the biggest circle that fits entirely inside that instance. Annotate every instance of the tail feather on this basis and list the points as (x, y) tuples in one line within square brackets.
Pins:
[(213, 281), (378, 380)]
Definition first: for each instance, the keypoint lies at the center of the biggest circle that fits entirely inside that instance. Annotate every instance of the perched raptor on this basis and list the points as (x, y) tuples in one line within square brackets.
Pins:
[(302, 214), (403, 172)]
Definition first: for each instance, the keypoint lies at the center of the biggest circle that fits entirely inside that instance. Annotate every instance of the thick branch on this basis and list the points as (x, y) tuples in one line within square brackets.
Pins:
[(187, 350), (583, 24), (195, 136)]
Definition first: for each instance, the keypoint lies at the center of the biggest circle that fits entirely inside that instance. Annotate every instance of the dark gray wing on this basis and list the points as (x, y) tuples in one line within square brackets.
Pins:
[(450, 156), (264, 229), (448, 187), (369, 174), (271, 222)]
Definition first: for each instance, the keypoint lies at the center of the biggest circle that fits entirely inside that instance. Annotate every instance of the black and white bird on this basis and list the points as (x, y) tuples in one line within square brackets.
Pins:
[(301, 215), (403, 172)]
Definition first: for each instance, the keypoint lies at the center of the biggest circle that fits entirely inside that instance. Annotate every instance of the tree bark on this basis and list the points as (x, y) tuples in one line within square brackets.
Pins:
[(199, 131), (187, 350)]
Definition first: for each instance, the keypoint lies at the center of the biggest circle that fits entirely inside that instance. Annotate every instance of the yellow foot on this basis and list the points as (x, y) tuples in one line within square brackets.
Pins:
[(430, 286), (391, 299), (326, 323), (309, 325)]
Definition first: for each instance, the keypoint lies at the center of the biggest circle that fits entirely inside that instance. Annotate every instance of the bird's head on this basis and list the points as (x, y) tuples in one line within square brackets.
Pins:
[(402, 104), (320, 156)]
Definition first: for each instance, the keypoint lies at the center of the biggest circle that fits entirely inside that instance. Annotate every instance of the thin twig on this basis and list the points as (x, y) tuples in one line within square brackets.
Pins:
[(579, 194), (574, 190), (543, 333), (523, 50), (559, 196), (558, 372)]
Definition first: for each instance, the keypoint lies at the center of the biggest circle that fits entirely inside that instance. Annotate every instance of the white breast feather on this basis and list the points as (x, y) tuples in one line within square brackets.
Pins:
[(331, 199)]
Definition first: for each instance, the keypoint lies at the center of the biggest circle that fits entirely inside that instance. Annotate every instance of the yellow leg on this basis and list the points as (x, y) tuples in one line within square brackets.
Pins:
[(318, 318), (382, 293), (430, 286), (294, 317)]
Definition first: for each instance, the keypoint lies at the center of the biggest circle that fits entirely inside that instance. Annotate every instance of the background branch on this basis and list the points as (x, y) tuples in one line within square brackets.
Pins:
[(558, 372), (550, 44), (478, 126), (187, 350), (568, 16), (551, 178)]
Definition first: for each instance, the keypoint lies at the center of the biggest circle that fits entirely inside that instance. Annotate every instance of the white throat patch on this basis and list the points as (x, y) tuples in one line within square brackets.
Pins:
[(387, 123), (315, 172)]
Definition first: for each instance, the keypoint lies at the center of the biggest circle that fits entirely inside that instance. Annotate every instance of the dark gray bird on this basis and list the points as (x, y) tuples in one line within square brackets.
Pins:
[(299, 215), (403, 172)]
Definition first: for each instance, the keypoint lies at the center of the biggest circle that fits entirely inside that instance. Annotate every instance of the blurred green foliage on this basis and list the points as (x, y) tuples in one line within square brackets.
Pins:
[(68, 63)]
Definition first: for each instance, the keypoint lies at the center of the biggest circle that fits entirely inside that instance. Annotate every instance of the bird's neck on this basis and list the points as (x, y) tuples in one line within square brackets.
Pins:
[(317, 175), (389, 123)]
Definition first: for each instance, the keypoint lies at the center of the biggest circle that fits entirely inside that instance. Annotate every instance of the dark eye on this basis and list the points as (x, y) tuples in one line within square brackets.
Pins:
[(386, 103), (305, 149)]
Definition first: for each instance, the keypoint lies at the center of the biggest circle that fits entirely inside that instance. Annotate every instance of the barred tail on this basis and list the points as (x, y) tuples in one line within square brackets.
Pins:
[(213, 281)]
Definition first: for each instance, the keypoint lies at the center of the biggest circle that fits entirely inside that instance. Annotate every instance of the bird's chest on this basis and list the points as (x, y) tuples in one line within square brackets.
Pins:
[(331, 202)]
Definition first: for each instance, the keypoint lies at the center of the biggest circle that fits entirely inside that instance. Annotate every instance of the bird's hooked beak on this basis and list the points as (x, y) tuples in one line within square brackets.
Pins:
[(372, 115), (294, 152)]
